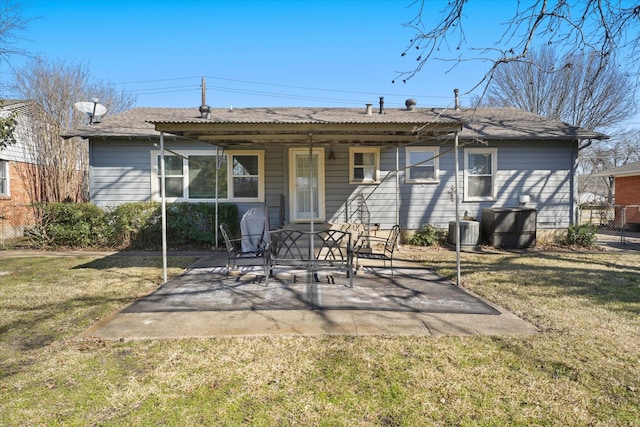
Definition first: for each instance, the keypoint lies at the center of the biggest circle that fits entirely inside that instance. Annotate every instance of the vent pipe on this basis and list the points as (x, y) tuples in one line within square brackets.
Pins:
[(456, 92), (382, 105), (369, 110), (205, 110)]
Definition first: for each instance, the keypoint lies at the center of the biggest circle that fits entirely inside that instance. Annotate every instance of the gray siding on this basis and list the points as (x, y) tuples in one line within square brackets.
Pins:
[(540, 170), (120, 172)]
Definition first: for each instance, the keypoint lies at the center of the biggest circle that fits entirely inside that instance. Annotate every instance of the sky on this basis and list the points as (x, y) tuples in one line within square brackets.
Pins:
[(257, 53)]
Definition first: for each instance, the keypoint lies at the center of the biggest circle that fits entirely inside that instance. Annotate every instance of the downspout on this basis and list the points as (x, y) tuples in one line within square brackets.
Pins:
[(164, 210)]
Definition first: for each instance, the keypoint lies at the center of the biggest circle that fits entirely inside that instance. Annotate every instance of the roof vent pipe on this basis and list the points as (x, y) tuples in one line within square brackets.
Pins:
[(410, 104), (205, 110), (369, 110), (382, 105), (456, 92)]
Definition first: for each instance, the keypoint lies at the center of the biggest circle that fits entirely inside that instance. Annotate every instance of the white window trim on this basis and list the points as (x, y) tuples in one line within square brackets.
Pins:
[(352, 151), (260, 154), (5, 164), (155, 175), (494, 168), (435, 152)]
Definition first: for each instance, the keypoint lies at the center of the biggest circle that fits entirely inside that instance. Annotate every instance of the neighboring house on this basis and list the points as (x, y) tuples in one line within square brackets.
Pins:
[(626, 190), (16, 168), (399, 162)]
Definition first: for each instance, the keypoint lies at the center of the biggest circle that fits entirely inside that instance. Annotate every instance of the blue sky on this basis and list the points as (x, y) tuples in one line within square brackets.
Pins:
[(256, 52), (252, 52)]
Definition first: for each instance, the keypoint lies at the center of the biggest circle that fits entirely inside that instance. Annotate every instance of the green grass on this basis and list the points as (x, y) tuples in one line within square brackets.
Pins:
[(583, 369)]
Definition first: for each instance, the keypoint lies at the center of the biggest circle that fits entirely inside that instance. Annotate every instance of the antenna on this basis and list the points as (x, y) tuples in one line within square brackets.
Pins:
[(94, 110)]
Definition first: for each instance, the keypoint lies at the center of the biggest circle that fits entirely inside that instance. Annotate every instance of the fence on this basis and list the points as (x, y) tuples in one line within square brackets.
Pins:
[(615, 221), (15, 219)]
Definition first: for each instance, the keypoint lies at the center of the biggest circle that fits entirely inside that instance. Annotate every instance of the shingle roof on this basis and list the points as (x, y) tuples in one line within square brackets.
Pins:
[(490, 123), (625, 170)]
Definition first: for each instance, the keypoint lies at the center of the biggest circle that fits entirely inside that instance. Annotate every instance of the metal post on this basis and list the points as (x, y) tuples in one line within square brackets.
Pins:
[(163, 209), (455, 154), (311, 266), (397, 186), (217, 225)]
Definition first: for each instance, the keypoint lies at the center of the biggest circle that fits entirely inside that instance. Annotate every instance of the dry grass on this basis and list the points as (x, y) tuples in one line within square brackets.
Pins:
[(583, 370)]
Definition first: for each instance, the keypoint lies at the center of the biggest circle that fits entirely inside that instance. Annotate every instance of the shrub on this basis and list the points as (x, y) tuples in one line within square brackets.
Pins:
[(427, 235), (130, 225), (78, 225), (135, 225), (581, 235)]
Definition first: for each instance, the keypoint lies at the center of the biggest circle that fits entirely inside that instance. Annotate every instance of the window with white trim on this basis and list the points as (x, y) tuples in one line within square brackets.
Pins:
[(422, 164), (245, 176), (364, 165), (480, 165), (191, 176), (4, 178)]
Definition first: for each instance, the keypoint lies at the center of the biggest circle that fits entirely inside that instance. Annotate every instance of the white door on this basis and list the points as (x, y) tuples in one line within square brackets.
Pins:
[(301, 201)]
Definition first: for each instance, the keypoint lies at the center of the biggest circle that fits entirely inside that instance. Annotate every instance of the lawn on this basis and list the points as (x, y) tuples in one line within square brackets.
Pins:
[(582, 369)]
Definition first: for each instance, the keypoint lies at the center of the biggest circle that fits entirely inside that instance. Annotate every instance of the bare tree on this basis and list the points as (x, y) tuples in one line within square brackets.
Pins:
[(12, 23), (607, 28), (618, 151), (54, 87), (580, 89)]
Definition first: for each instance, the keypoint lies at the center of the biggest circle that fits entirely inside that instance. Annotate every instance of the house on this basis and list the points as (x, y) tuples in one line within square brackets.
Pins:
[(381, 166), (16, 171), (627, 192)]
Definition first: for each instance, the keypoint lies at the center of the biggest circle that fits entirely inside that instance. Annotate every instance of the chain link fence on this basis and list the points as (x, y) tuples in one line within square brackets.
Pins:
[(15, 221), (616, 224)]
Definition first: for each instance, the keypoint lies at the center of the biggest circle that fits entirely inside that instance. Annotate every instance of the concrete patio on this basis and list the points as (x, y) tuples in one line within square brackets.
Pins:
[(206, 302)]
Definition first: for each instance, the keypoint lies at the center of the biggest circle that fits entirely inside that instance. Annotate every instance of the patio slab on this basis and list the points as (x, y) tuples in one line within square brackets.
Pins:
[(205, 302)]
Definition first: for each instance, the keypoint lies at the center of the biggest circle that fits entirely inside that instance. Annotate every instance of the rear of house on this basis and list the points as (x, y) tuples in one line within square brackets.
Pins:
[(394, 166)]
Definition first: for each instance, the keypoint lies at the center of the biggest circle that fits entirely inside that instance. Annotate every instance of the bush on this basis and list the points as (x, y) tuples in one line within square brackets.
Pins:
[(581, 235), (78, 225), (427, 235), (130, 225), (135, 225)]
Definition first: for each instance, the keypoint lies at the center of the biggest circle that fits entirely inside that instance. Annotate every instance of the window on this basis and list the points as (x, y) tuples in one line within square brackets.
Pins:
[(363, 165), (192, 176), (245, 175), (173, 176), (479, 173), (202, 177), (422, 164), (4, 178)]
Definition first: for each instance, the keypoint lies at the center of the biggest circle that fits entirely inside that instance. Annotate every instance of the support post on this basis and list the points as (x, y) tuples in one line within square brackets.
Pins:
[(455, 154), (163, 209)]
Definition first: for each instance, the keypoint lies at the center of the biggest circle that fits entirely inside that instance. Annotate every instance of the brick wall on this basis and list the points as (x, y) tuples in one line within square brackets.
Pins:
[(628, 193), (15, 214)]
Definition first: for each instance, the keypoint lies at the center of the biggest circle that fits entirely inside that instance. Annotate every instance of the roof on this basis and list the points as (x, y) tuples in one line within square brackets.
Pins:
[(17, 105), (630, 169), (490, 123)]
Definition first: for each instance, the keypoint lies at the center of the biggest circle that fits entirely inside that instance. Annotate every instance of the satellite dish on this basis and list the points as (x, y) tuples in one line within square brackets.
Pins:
[(92, 109)]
